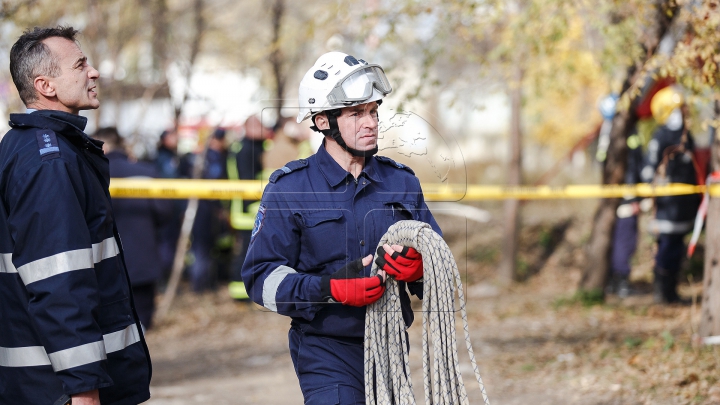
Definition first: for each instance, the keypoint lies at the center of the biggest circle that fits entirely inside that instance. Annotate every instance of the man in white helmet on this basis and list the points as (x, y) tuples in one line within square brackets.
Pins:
[(319, 222)]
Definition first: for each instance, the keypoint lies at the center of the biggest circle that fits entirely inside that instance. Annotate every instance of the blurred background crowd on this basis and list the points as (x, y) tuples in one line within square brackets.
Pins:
[(221, 230)]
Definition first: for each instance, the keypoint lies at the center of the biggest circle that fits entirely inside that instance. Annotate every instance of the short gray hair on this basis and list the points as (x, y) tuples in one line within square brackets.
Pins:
[(30, 58)]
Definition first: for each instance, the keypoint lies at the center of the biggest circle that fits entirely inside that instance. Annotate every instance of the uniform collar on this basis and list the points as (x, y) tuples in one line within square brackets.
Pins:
[(77, 121), (335, 174), (57, 121), (371, 169), (69, 125)]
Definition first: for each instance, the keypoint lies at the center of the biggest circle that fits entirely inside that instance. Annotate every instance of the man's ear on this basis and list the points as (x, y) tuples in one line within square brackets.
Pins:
[(43, 86), (321, 121)]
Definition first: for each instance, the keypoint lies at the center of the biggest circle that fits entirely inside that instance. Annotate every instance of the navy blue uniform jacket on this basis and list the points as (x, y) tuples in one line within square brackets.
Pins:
[(674, 214), (139, 221), (67, 322), (313, 219)]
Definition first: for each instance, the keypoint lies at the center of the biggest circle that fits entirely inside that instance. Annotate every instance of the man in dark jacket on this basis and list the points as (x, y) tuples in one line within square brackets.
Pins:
[(70, 332), (670, 160), (139, 222), (245, 162), (208, 225), (319, 222), (167, 163)]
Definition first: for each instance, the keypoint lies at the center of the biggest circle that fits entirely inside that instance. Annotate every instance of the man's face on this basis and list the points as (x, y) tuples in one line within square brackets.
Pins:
[(75, 86), (359, 126), (170, 140), (254, 129)]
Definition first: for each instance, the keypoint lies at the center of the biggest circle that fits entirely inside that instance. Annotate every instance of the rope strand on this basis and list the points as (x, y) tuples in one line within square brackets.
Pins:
[(387, 366)]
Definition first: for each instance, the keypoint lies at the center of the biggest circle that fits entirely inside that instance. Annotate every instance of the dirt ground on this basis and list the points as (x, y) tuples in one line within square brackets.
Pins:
[(536, 342)]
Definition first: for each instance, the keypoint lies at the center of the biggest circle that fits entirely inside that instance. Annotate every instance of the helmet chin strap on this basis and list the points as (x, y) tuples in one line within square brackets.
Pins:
[(334, 133)]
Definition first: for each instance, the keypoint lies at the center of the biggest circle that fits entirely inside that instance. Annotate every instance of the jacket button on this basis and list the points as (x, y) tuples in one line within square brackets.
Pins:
[(362, 243)]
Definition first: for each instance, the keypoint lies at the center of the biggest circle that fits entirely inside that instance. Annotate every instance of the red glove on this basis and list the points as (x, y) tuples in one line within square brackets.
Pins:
[(405, 265), (348, 287)]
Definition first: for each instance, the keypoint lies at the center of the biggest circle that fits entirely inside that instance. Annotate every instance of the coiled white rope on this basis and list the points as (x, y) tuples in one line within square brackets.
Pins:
[(387, 369)]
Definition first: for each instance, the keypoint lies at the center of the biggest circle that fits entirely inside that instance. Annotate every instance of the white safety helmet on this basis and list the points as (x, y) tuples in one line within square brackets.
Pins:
[(338, 80)]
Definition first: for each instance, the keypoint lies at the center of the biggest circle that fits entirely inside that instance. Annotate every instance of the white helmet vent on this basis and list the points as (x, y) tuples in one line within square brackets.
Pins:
[(340, 80), (351, 61)]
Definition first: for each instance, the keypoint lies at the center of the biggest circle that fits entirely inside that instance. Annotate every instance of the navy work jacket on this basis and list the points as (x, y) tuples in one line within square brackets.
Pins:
[(313, 219), (673, 214), (67, 320)]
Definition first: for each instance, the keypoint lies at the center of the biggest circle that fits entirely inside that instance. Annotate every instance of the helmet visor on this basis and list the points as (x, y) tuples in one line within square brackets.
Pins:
[(358, 85)]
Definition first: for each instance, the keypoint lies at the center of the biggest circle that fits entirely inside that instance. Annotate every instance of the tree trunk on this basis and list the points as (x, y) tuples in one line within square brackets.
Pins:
[(598, 249), (512, 207), (199, 21), (276, 58), (597, 264), (710, 319)]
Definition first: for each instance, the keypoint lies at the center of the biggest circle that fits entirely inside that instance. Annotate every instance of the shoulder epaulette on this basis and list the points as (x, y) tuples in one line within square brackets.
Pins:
[(388, 161), (47, 144), (288, 168)]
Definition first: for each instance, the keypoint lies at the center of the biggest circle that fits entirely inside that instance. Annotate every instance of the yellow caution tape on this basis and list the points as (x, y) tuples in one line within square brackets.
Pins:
[(184, 189), (252, 190)]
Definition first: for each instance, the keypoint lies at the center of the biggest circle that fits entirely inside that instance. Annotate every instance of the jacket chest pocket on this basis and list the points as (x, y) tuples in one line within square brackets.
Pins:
[(401, 210), (390, 213), (323, 238)]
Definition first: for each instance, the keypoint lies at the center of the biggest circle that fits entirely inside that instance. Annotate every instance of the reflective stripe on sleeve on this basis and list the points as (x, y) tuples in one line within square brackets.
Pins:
[(76, 356), (23, 356), (271, 285), (68, 261), (6, 264), (105, 249), (116, 341), (670, 227)]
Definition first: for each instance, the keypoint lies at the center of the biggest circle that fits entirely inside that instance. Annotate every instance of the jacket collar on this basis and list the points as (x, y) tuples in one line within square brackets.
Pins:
[(335, 174), (59, 121), (66, 124)]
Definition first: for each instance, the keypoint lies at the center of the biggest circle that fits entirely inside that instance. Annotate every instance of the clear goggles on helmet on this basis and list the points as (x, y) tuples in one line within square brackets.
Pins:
[(358, 86)]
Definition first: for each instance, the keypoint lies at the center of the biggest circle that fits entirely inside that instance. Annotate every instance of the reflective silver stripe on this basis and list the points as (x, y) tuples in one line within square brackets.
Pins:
[(105, 249), (670, 227), (272, 282), (68, 261), (56, 264), (23, 356), (6, 264), (78, 356), (116, 341)]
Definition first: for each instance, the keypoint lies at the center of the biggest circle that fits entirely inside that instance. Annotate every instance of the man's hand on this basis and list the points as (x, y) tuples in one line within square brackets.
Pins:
[(402, 262), (86, 398), (349, 287)]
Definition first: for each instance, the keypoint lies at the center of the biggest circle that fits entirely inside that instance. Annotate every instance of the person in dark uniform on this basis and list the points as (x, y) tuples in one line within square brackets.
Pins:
[(208, 224), (139, 222), (69, 332), (245, 162), (167, 163), (670, 160), (319, 222), (625, 233)]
